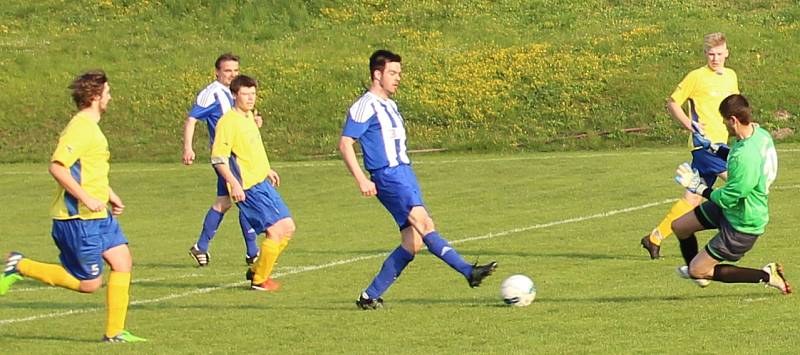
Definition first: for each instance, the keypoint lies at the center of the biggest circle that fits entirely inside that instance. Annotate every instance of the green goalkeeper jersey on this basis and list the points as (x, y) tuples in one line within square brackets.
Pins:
[(752, 167)]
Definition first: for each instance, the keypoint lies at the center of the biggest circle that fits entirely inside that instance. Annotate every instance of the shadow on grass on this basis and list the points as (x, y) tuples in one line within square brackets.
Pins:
[(666, 298), (567, 255), (50, 338), (54, 306)]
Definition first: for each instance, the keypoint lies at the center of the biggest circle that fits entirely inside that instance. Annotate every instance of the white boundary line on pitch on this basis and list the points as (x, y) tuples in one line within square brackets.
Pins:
[(328, 163), (294, 269), (302, 269)]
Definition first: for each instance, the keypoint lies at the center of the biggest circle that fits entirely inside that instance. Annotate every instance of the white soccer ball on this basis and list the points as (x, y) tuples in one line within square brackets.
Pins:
[(518, 290)]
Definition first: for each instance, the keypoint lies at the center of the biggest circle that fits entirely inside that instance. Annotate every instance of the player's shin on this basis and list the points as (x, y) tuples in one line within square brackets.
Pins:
[(210, 225), (392, 268), (441, 248), (664, 228), (51, 274), (249, 234), (270, 249), (688, 248), (117, 297), (734, 274)]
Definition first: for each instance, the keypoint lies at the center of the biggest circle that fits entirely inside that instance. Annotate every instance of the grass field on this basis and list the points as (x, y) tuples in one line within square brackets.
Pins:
[(571, 221)]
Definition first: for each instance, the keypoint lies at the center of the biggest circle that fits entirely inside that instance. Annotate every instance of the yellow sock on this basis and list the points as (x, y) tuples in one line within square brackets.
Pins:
[(664, 228), (284, 243), (270, 250), (117, 302), (51, 274)]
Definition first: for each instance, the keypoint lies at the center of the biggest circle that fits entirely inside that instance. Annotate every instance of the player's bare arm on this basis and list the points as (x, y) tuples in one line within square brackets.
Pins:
[(117, 207), (188, 137), (274, 178), (677, 113), (258, 119), (62, 175), (366, 186)]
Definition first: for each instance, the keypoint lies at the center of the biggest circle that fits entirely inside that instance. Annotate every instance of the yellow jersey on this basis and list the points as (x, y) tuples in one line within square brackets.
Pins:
[(83, 150), (705, 89), (238, 141)]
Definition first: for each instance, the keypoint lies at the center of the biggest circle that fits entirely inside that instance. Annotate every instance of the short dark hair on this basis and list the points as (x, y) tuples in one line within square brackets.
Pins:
[(224, 57), (242, 81), (736, 105), (378, 60), (87, 86)]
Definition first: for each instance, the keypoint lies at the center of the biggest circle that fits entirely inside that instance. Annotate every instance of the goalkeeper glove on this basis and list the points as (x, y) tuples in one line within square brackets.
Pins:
[(700, 140), (690, 179)]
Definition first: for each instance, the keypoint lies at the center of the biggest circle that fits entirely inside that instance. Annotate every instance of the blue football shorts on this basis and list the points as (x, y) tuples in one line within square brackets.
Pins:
[(263, 206), (708, 165), (82, 243), (222, 186), (398, 191)]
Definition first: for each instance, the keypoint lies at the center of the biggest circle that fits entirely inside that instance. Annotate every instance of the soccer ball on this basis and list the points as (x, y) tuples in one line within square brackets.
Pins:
[(518, 290)]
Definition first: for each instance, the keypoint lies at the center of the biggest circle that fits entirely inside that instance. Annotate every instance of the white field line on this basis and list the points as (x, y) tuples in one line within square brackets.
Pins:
[(329, 163), (309, 268)]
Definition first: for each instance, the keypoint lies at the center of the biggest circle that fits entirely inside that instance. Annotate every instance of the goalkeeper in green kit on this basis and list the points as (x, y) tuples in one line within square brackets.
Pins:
[(739, 210)]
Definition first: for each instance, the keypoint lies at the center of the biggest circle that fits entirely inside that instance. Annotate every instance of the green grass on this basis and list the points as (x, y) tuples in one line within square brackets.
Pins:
[(479, 75), (571, 221)]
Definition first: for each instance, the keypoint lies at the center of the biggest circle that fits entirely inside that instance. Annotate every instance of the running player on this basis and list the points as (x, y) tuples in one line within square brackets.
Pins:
[(84, 229), (239, 157)]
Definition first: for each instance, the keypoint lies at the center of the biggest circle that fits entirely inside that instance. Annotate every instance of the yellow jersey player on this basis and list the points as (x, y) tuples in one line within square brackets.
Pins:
[(85, 231), (211, 103), (703, 89), (238, 155)]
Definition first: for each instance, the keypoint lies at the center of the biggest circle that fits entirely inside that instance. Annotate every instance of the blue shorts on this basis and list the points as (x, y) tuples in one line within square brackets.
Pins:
[(398, 191), (709, 165), (222, 186), (82, 243), (263, 206)]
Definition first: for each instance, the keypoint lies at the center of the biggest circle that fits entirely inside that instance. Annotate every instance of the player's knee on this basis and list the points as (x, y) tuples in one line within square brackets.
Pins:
[(697, 273), (287, 230), (413, 247), (90, 286), (223, 205), (426, 226), (693, 199), (290, 229), (677, 229)]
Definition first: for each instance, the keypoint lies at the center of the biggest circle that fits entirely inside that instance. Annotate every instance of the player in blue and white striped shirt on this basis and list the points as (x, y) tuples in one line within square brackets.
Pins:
[(210, 105), (375, 122)]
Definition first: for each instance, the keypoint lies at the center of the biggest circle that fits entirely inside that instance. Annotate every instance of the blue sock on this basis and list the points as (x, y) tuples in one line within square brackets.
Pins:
[(390, 271), (249, 235), (441, 248), (210, 225)]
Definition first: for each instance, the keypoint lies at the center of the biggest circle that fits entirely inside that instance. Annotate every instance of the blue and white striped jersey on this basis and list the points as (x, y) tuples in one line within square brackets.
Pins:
[(211, 104), (377, 125)]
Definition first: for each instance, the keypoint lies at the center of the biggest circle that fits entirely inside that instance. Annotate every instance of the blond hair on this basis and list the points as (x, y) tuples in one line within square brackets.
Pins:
[(712, 40)]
